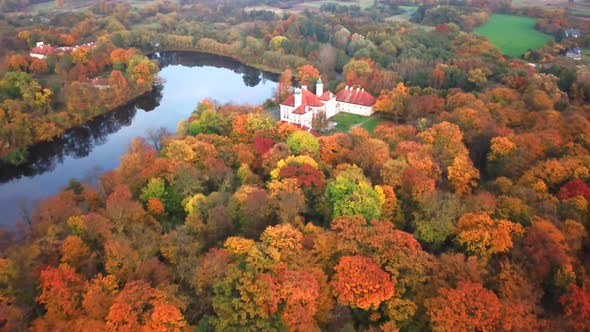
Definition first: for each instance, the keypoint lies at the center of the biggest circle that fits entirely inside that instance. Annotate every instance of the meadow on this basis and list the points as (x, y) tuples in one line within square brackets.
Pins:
[(514, 35), (345, 121), (364, 4)]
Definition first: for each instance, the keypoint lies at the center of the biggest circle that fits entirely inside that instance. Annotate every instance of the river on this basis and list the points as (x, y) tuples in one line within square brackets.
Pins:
[(84, 152)]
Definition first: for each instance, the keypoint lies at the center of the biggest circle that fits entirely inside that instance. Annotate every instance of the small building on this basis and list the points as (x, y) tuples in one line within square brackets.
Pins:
[(99, 83), (302, 105), (42, 50), (574, 53), (572, 33)]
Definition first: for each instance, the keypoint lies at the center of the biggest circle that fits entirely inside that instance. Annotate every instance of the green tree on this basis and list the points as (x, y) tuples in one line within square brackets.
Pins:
[(210, 122), (302, 142), (350, 196), (156, 188), (436, 219)]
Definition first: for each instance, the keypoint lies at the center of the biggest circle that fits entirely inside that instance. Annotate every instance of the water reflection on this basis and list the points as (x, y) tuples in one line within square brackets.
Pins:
[(79, 142), (186, 79), (251, 76)]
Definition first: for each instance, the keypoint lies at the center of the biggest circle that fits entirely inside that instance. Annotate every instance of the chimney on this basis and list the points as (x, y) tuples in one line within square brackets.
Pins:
[(358, 89), (40, 44), (319, 88), (297, 98), (346, 87), (304, 87)]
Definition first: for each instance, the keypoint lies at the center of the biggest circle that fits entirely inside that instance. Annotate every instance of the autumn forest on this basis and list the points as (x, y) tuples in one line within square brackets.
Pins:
[(464, 207)]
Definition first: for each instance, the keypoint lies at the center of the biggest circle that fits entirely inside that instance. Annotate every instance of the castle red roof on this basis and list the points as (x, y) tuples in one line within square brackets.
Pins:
[(300, 110), (44, 49), (355, 96), (307, 99), (327, 95)]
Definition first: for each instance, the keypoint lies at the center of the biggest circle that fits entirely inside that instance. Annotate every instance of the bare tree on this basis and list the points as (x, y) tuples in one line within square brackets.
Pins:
[(24, 207), (327, 58), (319, 121), (156, 137)]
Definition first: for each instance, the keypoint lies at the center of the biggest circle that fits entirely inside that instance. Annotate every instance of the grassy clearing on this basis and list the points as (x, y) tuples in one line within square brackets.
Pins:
[(364, 4), (514, 35), (373, 122), (345, 121), (406, 15), (580, 12), (147, 26), (586, 55)]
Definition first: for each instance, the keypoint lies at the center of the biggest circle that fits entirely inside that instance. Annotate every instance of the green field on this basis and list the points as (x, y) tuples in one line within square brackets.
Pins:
[(364, 4), (580, 12), (373, 122), (514, 35), (345, 121)]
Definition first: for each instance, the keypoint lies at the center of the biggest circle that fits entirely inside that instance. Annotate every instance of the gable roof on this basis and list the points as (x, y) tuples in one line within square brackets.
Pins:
[(44, 49), (327, 96), (355, 96), (307, 99)]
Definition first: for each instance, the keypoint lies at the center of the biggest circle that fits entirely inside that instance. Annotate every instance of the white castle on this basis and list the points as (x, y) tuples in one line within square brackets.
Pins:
[(301, 106)]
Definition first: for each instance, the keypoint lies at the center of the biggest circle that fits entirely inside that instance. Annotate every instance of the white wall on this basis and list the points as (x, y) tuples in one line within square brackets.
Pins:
[(356, 109), (331, 109), (38, 56), (285, 113)]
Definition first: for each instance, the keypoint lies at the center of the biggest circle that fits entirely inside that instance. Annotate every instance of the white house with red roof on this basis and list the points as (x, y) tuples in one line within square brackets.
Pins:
[(301, 106), (42, 50)]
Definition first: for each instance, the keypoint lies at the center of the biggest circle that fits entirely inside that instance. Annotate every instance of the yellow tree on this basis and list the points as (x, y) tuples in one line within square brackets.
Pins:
[(307, 74), (462, 175), (393, 102), (80, 55), (484, 236)]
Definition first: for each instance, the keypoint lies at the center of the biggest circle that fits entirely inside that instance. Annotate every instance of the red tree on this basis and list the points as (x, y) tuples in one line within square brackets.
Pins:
[(573, 188), (469, 307), (576, 306), (360, 283)]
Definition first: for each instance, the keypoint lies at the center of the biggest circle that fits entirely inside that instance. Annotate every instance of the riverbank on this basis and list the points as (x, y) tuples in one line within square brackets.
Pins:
[(258, 66), (20, 154), (85, 152)]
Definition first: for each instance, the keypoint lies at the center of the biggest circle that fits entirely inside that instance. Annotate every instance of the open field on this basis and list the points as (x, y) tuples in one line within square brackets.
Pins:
[(50, 7), (514, 35), (578, 9), (275, 10), (364, 4), (405, 17), (345, 121), (373, 122)]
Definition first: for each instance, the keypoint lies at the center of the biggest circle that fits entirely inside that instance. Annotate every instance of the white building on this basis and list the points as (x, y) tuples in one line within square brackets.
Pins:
[(42, 50), (300, 107)]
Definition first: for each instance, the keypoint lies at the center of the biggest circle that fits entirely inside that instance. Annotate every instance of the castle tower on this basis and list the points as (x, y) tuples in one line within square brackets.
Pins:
[(319, 88), (297, 97)]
